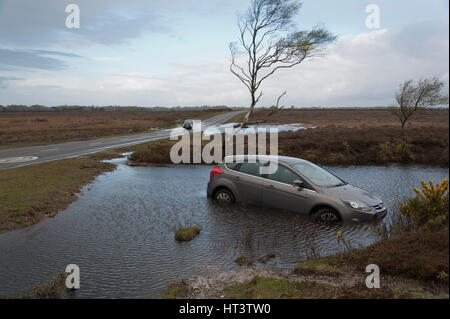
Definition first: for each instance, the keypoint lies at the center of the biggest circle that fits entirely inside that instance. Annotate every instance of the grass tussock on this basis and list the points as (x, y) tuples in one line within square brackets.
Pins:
[(29, 194), (177, 290), (243, 261), (186, 233), (51, 289), (264, 259), (317, 266), (156, 153)]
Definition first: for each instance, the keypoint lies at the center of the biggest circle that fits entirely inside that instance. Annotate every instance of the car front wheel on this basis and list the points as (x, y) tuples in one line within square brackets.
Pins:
[(327, 215)]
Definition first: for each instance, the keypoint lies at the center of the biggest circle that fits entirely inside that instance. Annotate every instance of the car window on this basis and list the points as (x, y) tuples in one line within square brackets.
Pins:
[(284, 175), (232, 165), (318, 175), (251, 168)]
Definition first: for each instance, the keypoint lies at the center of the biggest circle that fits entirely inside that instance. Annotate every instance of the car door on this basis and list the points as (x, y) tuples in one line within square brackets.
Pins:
[(278, 191), (249, 182)]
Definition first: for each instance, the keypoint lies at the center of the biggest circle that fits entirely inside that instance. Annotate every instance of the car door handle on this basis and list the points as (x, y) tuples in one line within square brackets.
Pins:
[(237, 178), (271, 186)]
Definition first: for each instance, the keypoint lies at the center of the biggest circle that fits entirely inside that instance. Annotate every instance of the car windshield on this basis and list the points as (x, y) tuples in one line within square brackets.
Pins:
[(318, 175)]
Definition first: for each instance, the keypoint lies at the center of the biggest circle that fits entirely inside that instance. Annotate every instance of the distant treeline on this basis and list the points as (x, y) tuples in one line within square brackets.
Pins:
[(62, 108)]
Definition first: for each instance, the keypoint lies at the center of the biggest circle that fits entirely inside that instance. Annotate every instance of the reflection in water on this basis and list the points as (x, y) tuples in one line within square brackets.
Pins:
[(121, 231)]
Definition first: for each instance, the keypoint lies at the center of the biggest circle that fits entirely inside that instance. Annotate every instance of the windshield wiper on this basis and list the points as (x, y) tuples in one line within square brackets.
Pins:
[(341, 184)]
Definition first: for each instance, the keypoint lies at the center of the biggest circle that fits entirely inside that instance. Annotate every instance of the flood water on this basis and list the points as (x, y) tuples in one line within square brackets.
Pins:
[(121, 231), (251, 129)]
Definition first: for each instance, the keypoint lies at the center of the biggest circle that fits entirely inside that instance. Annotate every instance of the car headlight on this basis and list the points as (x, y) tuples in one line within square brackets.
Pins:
[(356, 205)]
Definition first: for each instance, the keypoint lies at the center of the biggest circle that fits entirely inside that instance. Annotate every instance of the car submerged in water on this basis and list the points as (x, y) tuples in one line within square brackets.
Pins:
[(296, 185)]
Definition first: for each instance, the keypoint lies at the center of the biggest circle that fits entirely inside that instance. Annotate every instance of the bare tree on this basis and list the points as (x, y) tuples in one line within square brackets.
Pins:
[(277, 107), (412, 97), (269, 42)]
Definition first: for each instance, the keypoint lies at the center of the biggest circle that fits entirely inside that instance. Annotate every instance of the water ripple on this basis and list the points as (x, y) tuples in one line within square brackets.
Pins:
[(121, 231)]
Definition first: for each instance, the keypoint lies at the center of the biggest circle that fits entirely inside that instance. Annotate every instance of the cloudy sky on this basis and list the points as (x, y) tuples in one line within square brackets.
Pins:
[(175, 52)]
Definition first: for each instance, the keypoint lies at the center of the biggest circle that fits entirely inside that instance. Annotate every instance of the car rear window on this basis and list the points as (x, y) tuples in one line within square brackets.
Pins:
[(251, 168)]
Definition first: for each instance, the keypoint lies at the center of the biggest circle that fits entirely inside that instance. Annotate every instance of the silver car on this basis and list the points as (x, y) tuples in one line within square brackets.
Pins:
[(296, 185), (188, 124)]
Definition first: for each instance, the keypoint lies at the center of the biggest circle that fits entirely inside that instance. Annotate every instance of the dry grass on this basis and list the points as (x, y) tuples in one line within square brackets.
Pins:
[(344, 137), (366, 146), (352, 117), (419, 256), (362, 136), (32, 128), (275, 288), (336, 146)]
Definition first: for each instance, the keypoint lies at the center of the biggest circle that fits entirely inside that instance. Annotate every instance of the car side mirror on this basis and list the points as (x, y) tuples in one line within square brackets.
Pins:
[(299, 184)]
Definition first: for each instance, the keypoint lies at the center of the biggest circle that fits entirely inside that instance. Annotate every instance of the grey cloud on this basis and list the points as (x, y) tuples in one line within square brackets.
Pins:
[(427, 38), (39, 23), (36, 59), (113, 28)]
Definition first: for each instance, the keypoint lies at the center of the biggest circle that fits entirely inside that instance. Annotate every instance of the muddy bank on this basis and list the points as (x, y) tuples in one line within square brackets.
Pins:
[(258, 283), (32, 193), (406, 272)]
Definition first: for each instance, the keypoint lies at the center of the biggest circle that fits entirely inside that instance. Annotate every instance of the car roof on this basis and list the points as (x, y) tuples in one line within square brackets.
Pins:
[(282, 159)]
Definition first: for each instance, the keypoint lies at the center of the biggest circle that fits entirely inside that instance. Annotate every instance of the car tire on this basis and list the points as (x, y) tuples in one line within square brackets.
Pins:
[(224, 195), (326, 215)]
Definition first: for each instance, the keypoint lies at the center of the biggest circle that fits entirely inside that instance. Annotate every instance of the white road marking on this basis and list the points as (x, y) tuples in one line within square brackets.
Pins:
[(20, 159)]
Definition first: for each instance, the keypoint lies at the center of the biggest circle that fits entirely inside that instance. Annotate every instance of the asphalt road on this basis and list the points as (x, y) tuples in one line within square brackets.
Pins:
[(17, 157)]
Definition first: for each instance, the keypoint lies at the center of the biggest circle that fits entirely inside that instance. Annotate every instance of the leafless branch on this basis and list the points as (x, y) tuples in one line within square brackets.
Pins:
[(277, 107), (267, 44)]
